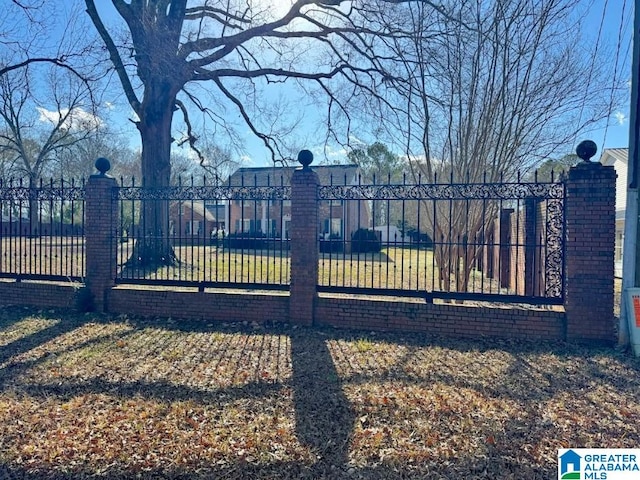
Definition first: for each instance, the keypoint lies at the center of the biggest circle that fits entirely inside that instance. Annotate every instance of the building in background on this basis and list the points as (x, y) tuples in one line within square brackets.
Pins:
[(271, 218), (618, 158)]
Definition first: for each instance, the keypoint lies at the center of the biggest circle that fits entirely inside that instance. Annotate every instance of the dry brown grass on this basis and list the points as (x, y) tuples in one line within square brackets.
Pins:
[(97, 397), (63, 256)]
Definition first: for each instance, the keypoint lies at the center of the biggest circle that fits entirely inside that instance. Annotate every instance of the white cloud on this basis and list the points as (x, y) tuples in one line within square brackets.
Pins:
[(356, 142), (335, 154), (621, 118), (78, 119), (109, 105)]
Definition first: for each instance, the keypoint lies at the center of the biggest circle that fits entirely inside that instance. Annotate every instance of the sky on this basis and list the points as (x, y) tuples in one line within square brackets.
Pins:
[(608, 20), (618, 23)]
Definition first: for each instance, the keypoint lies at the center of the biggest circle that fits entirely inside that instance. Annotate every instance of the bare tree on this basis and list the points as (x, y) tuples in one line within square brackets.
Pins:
[(485, 90), (218, 162), (35, 127), (78, 160), (208, 163), (42, 43), (26, 38), (239, 48)]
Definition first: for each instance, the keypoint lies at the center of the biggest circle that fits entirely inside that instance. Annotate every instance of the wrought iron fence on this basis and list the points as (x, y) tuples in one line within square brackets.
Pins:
[(210, 235), (42, 230), (452, 241)]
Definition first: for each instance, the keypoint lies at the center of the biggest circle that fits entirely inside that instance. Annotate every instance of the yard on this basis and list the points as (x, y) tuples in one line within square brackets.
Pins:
[(86, 396), (397, 268), (400, 268)]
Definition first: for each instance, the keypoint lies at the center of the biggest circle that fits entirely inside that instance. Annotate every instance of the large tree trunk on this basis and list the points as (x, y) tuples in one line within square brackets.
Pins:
[(153, 247)]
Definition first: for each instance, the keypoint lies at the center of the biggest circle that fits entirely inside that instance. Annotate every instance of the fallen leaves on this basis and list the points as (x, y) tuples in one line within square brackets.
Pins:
[(123, 398)]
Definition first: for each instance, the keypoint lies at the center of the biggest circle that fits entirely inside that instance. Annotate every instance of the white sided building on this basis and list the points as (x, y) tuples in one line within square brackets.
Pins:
[(618, 158)]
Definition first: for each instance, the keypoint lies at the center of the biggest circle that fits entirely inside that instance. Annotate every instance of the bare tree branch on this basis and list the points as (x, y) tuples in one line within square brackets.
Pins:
[(114, 55), (499, 89), (34, 142), (190, 138), (265, 138), (242, 49)]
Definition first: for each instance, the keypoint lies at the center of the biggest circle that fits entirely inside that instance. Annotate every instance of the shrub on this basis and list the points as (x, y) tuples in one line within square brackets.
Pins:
[(419, 239), (364, 240), (246, 240), (333, 244), (84, 301)]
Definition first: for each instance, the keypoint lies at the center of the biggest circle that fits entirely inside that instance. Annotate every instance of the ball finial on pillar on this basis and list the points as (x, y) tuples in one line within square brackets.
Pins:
[(586, 149), (103, 165), (305, 157)]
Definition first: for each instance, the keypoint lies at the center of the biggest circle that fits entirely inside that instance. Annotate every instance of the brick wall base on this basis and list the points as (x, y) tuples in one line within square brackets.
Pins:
[(38, 294), (210, 306), (441, 319), (338, 312)]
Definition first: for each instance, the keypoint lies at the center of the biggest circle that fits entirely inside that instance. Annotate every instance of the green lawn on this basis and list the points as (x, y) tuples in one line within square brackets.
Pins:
[(394, 268), (390, 268), (87, 396)]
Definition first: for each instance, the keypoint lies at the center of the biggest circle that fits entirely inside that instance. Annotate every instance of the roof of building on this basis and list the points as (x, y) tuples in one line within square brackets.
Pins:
[(610, 155), (196, 207), (327, 174)]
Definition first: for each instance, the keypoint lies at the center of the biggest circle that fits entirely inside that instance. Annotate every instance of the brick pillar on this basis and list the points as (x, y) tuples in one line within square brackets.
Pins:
[(590, 237), (100, 223), (304, 242)]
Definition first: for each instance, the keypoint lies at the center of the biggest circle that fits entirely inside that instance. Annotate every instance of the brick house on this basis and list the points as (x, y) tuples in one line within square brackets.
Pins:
[(338, 219), (191, 219)]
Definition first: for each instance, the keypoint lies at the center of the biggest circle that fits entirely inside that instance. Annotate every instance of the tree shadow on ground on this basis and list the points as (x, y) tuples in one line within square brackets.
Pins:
[(522, 378), (13, 315), (324, 418), (465, 467), (324, 415)]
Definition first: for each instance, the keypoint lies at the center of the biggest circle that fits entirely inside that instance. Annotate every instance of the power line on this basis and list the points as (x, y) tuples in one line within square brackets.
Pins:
[(591, 67), (615, 79)]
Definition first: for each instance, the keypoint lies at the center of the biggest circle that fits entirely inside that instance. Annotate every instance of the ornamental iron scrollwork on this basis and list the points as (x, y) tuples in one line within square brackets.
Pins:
[(462, 191), (48, 193), (554, 244), (549, 197), (179, 193)]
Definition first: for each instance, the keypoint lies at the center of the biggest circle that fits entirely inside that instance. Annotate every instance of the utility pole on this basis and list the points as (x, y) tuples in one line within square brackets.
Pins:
[(631, 247)]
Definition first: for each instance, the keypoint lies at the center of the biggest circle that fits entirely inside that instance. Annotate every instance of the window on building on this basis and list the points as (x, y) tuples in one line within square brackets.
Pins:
[(193, 227), (333, 227), (243, 225), (618, 248)]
